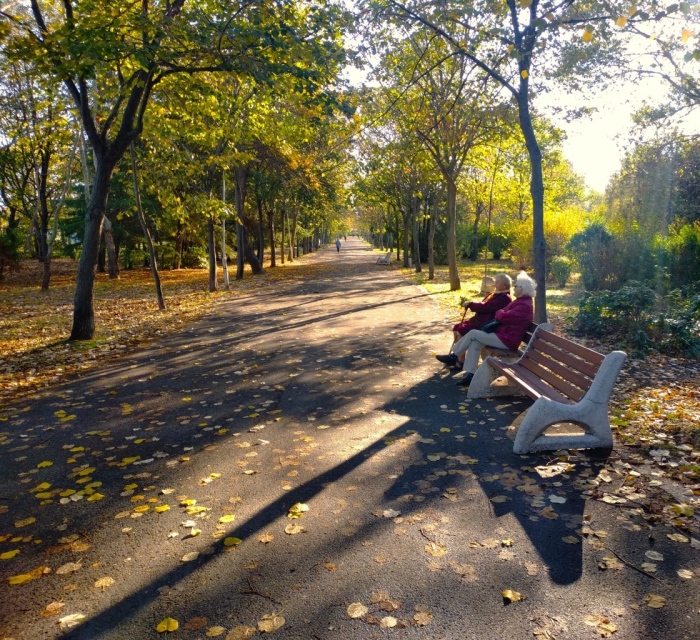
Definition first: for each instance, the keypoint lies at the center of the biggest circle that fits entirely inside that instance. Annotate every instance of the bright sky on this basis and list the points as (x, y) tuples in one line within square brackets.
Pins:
[(594, 145)]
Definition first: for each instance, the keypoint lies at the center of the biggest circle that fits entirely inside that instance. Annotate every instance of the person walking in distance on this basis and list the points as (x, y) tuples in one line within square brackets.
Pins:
[(337, 245)]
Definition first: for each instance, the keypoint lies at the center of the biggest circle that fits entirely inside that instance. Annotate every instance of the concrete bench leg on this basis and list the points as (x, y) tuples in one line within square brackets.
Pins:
[(482, 387), (593, 417), (591, 413)]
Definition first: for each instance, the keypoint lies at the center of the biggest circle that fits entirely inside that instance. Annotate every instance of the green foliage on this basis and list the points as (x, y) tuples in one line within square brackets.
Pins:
[(637, 318), (593, 249), (678, 255), (9, 251), (561, 268)]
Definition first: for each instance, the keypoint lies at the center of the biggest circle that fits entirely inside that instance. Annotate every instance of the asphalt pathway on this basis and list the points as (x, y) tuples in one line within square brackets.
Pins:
[(319, 389)]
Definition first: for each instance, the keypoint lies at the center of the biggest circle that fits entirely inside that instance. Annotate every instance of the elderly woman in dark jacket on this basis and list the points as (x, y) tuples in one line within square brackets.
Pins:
[(514, 321), (484, 312)]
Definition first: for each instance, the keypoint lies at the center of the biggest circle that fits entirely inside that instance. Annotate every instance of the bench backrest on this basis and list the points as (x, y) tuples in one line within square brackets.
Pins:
[(564, 365)]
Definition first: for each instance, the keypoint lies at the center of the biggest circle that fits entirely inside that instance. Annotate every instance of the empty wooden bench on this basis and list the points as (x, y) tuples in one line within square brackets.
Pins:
[(384, 259), (567, 381)]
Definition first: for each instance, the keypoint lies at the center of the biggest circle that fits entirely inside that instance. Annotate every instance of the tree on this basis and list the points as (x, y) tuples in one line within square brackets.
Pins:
[(110, 58)]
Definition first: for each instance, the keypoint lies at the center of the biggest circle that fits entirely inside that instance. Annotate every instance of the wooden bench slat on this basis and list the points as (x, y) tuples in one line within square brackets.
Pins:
[(562, 386), (532, 385), (583, 352), (560, 369), (579, 365)]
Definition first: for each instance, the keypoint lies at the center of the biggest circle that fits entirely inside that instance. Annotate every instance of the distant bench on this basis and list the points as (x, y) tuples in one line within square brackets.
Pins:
[(385, 259), (567, 381)]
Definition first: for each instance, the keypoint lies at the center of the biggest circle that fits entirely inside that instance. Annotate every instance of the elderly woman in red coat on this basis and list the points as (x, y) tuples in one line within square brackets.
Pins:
[(514, 320), (484, 312)]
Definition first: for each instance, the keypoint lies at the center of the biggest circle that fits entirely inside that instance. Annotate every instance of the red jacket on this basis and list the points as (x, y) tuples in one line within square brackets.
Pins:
[(515, 320), (483, 311)]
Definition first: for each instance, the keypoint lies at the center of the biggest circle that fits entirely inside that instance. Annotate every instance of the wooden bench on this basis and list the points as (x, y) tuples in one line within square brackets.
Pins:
[(567, 381), (385, 259)]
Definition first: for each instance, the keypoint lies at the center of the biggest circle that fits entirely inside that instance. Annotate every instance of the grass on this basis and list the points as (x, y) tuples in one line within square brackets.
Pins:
[(561, 303)]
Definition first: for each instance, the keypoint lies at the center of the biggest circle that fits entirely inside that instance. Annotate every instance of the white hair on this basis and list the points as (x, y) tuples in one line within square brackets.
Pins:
[(504, 278), (526, 283)]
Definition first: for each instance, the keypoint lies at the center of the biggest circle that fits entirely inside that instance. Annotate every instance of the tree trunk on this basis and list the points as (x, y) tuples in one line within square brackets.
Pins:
[(250, 255), (179, 245), (452, 233), (146, 232), (474, 251), (271, 235), (284, 222), (83, 301), (416, 234), (45, 273), (224, 261), (213, 284), (406, 233), (293, 237), (431, 241), (261, 232), (241, 177), (539, 246), (112, 264)]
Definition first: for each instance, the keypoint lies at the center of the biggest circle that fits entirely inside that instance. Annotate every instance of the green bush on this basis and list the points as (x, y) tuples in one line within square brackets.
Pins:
[(561, 269), (637, 318), (593, 249)]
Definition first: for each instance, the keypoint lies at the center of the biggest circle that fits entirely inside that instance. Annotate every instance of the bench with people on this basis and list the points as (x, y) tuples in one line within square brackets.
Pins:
[(500, 322), (570, 383)]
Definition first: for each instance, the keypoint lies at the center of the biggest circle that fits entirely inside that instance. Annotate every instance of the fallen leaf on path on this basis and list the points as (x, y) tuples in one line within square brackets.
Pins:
[(232, 542), (192, 555), (24, 523), (357, 610), (213, 632), (435, 549), (167, 625), (241, 633), (297, 510), (193, 624), (69, 567), (293, 529), (72, 620), (103, 583), (683, 510), (655, 601), (677, 537), (270, 622), (423, 615), (388, 622), (52, 609), (266, 538), (509, 596), (654, 555)]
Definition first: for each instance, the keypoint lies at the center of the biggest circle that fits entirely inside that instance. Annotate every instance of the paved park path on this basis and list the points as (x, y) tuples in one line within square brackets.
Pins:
[(318, 389)]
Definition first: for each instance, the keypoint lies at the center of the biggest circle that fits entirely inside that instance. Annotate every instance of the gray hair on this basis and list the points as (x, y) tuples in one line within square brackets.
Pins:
[(526, 283), (504, 278)]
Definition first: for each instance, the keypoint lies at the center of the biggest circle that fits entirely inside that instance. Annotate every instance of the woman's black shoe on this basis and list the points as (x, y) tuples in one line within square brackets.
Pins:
[(466, 381)]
